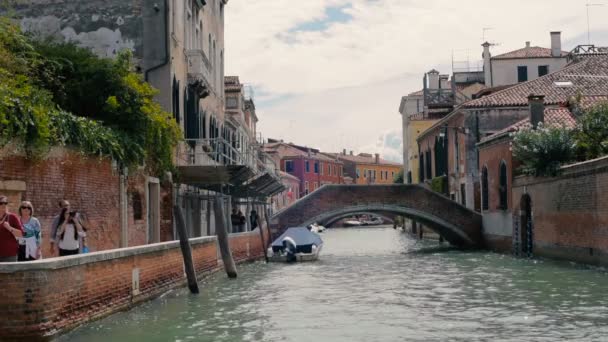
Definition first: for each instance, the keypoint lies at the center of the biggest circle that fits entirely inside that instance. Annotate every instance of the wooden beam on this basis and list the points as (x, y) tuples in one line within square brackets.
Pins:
[(185, 247), (222, 237)]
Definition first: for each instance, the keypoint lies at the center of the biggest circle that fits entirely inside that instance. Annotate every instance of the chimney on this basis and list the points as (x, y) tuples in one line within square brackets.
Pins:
[(351, 153), (433, 77), (344, 152), (556, 44), (377, 158), (537, 109), (309, 152), (487, 64), (527, 45)]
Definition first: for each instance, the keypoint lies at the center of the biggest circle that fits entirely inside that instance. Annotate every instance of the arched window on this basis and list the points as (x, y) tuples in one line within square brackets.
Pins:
[(502, 188), (484, 189)]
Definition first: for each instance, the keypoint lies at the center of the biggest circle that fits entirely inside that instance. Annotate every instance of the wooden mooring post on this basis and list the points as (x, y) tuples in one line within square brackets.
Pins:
[(185, 247), (222, 237)]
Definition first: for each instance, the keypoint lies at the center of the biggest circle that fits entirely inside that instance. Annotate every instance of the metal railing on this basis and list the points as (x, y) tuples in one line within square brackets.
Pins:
[(219, 151), (438, 97)]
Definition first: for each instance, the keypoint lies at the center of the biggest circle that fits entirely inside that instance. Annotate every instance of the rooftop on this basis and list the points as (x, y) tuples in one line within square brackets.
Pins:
[(232, 83), (529, 52), (589, 76), (364, 158)]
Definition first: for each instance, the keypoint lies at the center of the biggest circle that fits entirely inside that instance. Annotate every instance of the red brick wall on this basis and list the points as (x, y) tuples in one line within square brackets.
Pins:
[(53, 295), (491, 156), (570, 212), (91, 185)]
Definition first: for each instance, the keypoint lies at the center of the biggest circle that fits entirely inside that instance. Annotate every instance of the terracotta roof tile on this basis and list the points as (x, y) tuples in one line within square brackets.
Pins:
[(232, 83), (528, 52), (588, 76), (364, 159), (554, 117)]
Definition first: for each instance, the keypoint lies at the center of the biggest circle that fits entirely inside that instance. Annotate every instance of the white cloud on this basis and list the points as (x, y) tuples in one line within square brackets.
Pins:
[(345, 83)]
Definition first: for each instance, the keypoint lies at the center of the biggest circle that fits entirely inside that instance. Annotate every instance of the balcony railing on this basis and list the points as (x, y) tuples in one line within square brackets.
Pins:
[(438, 97), (199, 71), (219, 151)]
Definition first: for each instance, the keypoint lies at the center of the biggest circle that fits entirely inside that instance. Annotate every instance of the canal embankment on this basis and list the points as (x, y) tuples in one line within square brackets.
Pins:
[(44, 298)]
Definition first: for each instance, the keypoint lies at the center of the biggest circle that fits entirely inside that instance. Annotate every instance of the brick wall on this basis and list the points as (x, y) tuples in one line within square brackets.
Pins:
[(497, 222), (91, 185), (46, 297), (570, 212)]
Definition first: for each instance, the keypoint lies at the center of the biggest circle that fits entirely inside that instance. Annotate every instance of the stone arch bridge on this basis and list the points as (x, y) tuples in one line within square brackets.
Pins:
[(455, 223)]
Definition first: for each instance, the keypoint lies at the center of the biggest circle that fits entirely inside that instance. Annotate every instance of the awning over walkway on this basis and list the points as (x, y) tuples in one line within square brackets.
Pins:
[(206, 176), (237, 180)]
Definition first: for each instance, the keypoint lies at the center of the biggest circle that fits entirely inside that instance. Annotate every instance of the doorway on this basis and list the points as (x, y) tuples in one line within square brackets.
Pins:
[(526, 236), (153, 205)]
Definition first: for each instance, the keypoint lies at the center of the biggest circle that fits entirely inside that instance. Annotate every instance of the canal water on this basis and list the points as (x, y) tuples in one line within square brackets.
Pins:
[(377, 284)]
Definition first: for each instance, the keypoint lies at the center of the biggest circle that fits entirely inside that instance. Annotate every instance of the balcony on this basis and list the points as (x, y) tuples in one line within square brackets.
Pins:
[(216, 164), (438, 98), (199, 72)]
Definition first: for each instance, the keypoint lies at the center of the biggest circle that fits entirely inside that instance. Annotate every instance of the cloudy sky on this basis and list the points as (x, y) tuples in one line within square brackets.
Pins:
[(330, 73)]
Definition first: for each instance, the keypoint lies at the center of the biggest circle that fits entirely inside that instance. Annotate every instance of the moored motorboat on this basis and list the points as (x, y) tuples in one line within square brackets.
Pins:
[(352, 223), (296, 244)]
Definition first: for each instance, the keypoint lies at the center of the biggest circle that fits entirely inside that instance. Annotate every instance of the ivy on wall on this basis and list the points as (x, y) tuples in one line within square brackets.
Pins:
[(55, 94)]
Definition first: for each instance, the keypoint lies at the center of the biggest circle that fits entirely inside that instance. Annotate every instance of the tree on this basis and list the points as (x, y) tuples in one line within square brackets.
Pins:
[(398, 177), (543, 150), (591, 133)]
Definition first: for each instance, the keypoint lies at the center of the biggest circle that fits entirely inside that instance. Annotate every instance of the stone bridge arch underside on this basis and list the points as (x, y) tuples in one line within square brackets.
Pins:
[(455, 223), (387, 216)]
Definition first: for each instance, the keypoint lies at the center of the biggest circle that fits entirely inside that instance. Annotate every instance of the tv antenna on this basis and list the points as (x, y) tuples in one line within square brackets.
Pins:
[(588, 24), (483, 35)]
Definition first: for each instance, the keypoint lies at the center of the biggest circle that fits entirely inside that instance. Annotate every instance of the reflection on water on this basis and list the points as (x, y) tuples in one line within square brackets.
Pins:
[(377, 284)]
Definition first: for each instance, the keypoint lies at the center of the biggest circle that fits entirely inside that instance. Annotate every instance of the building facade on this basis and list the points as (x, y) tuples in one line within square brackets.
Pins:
[(526, 64), (366, 168)]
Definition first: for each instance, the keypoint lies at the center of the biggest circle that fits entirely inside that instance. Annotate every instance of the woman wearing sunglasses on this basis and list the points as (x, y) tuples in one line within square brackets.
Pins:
[(10, 231), (29, 244)]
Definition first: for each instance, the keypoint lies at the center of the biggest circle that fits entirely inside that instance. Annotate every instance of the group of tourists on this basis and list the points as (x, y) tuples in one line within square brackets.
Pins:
[(21, 233), (239, 220)]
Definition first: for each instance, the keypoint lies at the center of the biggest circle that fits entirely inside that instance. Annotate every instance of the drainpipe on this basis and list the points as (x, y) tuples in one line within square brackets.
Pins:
[(167, 43)]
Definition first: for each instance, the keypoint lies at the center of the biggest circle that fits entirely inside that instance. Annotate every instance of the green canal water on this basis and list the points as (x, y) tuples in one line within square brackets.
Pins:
[(377, 284)]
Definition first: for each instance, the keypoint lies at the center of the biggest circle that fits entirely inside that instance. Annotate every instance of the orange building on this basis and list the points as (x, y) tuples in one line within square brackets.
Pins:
[(366, 168)]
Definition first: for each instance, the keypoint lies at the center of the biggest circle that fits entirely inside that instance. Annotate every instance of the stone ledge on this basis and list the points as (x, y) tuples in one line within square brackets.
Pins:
[(13, 185), (83, 259)]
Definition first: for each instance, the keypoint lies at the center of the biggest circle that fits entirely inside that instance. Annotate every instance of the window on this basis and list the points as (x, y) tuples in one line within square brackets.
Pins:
[(307, 164), (335, 171), (305, 188), (502, 189), (232, 102), (456, 154), (176, 100), (543, 70), (484, 189), (463, 196), (428, 166), (421, 168), (522, 73), (321, 168), (316, 185), (316, 167), (358, 174), (289, 166), (364, 173)]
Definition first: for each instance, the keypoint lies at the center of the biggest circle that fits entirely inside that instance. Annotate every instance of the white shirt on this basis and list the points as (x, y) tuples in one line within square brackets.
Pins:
[(68, 242)]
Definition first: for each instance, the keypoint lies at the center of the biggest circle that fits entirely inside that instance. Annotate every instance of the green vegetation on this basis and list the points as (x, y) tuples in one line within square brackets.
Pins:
[(591, 133), (59, 94), (398, 178), (544, 150), (440, 184)]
